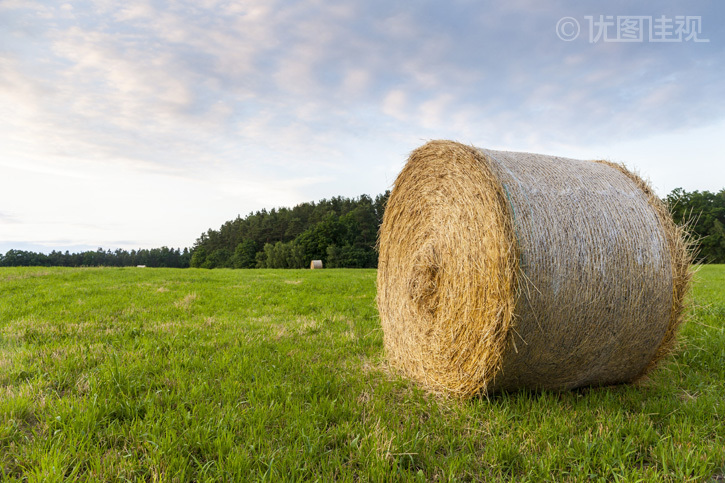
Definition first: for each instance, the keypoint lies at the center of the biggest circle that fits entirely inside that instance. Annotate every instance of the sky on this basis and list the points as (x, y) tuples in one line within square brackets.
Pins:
[(141, 124)]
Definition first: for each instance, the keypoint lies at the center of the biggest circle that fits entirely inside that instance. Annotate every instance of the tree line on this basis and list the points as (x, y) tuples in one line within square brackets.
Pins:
[(703, 215), (342, 232), (154, 257)]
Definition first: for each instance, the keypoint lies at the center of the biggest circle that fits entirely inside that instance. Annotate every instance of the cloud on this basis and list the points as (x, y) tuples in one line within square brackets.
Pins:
[(394, 104), (8, 219), (148, 71), (287, 101)]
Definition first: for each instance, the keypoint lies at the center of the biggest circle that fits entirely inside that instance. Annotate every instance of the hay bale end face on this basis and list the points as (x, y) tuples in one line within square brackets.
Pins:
[(502, 270), (315, 264)]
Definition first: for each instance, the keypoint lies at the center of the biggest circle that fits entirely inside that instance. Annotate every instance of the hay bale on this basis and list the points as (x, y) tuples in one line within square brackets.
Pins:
[(502, 270), (315, 264)]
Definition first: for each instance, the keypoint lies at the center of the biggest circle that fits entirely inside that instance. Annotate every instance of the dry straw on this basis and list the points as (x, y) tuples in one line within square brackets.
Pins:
[(315, 264), (502, 270)]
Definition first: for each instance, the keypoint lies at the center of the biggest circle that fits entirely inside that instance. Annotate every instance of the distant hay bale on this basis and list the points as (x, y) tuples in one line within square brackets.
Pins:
[(315, 264), (502, 270)]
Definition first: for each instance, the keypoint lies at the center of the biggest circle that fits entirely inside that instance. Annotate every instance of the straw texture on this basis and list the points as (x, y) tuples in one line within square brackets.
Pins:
[(315, 264), (501, 270)]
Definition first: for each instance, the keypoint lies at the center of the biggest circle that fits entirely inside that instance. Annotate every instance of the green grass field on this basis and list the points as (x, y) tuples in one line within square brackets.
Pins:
[(197, 375)]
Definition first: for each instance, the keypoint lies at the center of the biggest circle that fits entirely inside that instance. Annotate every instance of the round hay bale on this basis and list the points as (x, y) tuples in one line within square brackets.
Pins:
[(502, 270), (315, 264)]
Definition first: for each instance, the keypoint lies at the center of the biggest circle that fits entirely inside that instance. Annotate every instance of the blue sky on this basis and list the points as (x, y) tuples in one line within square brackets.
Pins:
[(141, 123)]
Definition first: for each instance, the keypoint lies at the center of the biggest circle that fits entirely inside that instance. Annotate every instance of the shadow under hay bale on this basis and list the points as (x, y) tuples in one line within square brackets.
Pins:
[(502, 270)]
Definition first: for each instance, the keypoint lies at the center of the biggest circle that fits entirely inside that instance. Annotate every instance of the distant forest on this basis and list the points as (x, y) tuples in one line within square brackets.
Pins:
[(155, 257), (341, 232)]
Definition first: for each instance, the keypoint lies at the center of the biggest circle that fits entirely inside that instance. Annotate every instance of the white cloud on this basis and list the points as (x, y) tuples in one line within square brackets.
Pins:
[(433, 111), (8, 218), (394, 104), (355, 82), (216, 107), (135, 11)]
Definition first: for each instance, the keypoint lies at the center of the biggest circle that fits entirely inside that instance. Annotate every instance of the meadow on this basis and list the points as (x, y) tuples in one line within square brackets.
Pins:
[(131, 374)]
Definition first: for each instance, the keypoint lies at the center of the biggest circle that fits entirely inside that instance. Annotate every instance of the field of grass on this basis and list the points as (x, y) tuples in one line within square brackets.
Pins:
[(220, 375)]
